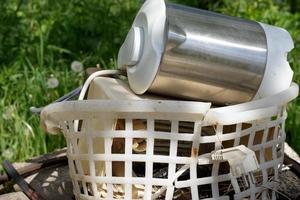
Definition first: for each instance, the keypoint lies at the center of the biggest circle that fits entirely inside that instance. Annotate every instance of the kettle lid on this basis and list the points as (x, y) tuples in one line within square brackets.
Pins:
[(144, 45)]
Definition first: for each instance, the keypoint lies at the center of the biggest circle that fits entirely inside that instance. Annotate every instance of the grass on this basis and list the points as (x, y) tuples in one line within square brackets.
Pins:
[(40, 38)]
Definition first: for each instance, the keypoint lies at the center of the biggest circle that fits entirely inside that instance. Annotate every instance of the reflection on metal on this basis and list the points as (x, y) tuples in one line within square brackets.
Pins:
[(211, 57)]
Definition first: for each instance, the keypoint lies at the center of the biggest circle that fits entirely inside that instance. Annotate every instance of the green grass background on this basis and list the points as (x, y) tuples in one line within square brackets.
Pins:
[(40, 38)]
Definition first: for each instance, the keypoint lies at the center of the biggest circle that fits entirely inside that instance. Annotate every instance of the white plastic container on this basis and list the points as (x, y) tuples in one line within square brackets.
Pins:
[(105, 167)]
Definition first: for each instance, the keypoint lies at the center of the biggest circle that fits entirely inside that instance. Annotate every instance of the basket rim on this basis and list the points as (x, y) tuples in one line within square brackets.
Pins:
[(253, 110)]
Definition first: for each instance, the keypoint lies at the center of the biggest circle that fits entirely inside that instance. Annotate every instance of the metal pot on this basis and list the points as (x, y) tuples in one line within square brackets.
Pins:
[(195, 54)]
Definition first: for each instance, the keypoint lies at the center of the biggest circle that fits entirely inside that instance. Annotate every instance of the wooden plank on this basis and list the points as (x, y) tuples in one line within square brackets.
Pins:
[(52, 182), (289, 185), (14, 196), (291, 159), (34, 164)]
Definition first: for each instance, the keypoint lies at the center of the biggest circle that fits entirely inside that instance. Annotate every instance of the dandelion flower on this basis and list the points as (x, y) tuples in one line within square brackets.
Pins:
[(8, 113), (52, 82), (8, 154), (76, 66)]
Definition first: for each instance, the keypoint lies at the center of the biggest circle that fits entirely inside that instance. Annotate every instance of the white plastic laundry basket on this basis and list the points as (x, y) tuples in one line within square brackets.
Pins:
[(152, 149)]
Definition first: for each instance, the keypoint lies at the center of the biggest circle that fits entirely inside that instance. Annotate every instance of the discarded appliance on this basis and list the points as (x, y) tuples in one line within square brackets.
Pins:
[(195, 54)]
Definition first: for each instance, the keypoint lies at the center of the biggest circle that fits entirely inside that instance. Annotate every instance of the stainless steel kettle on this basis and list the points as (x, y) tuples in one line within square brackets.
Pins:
[(195, 54)]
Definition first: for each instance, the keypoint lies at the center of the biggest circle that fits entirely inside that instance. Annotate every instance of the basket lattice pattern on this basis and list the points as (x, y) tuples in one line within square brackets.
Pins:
[(162, 155)]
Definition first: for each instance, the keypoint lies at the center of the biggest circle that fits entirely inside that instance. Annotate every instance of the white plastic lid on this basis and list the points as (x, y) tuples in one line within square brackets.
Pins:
[(144, 45), (278, 73)]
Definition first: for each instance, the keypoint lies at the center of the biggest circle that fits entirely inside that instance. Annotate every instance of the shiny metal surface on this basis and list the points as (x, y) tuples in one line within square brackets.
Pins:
[(211, 57)]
